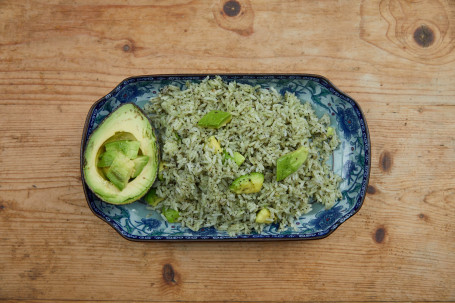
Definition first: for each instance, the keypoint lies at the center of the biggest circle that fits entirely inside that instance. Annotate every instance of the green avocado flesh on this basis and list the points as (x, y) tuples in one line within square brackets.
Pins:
[(152, 198), (247, 184), (106, 158), (139, 164), (120, 171), (215, 119), (264, 216), (121, 156), (171, 215), (129, 148), (291, 162), (238, 158), (121, 136)]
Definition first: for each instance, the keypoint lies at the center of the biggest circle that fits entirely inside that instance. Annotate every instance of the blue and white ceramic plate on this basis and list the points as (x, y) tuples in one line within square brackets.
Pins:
[(351, 160)]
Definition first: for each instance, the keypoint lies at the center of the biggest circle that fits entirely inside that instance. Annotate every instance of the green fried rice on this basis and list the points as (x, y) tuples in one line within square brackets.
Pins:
[(265, 125)]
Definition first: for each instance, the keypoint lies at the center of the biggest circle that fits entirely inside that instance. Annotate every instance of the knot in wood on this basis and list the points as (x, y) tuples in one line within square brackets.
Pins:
[(169, 274), (231, 8), (424, 36)]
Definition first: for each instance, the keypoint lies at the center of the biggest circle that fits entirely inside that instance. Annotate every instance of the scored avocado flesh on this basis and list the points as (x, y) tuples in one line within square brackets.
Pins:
[(127, 147), (120, 162), (121, 156), (106, 158), (120, 171), (119, 136), (139, 164)]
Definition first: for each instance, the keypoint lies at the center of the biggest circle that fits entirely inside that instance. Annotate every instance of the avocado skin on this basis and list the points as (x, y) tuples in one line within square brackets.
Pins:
[(127, 118)]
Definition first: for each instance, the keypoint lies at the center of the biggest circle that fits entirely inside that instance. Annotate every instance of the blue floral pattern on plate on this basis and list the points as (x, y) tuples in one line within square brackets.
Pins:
[(351, 160)]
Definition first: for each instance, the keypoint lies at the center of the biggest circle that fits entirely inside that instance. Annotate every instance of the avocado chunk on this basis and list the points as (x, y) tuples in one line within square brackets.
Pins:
[(264, 216), (247, 184), (126, 123), (214, 144), (170, 214), (215, 119), (238, 158), (107, 158), (104, 171), (120, 171), (139, 163), (152, 198), (121, 136), (128, 148), (291, 162), (330, 131)]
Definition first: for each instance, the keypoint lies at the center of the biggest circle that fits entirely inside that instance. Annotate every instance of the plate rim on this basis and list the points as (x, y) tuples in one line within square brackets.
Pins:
[(250, 237)]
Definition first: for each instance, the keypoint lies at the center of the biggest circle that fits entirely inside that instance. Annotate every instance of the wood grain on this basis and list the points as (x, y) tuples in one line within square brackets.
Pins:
[(395, 57)]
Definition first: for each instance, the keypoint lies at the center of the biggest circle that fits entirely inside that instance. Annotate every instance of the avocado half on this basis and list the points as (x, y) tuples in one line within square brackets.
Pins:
[(128, 121)]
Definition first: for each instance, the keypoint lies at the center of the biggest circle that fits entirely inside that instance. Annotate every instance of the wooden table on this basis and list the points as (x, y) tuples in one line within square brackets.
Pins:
[(395, 57)]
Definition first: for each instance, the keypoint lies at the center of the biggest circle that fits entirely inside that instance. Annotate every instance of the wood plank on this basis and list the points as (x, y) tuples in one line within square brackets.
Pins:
[(347, 64), (400, 207), (78, 301)]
